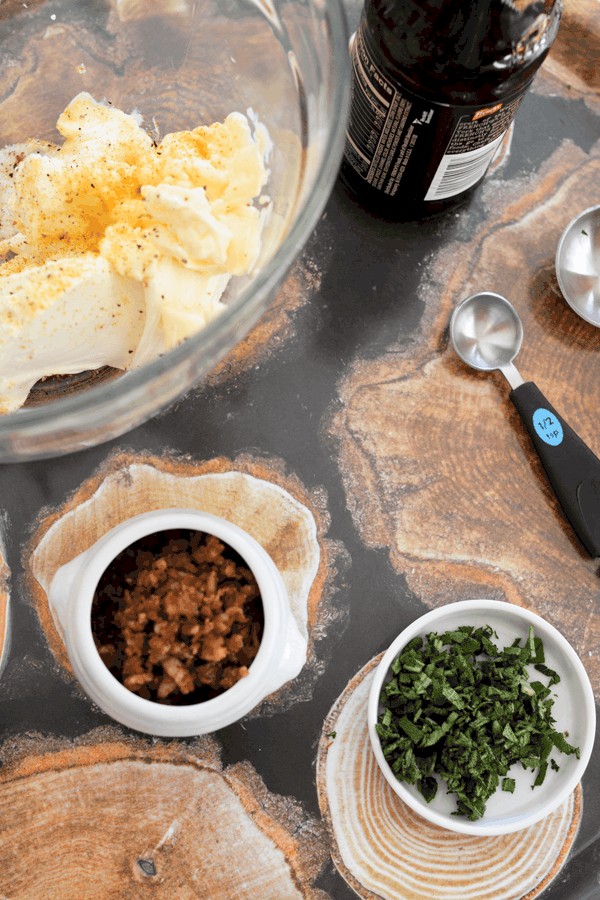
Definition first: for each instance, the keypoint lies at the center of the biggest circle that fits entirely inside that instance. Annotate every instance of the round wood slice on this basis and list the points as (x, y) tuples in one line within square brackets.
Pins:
[(385, 850), (288, 520), (125, 819)]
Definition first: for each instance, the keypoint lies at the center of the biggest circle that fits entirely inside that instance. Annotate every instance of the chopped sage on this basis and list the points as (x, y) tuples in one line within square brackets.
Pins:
[(460, 708)]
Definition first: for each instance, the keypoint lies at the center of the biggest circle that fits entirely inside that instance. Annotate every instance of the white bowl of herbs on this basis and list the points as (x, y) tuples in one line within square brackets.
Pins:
[(482, 717)]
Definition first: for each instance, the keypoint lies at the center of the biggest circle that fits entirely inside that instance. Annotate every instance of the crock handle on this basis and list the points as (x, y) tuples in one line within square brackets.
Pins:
[(292, 659), (59, 592)]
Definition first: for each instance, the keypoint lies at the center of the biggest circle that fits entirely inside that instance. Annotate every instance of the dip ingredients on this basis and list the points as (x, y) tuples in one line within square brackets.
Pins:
[(177, 617), (462, 709), (116, 248)]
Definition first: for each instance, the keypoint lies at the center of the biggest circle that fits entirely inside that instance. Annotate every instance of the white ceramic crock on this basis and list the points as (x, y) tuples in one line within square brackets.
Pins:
[(280, 657)]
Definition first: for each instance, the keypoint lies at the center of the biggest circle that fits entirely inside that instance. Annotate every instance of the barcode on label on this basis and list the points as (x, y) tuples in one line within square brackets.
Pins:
[(459, 171)]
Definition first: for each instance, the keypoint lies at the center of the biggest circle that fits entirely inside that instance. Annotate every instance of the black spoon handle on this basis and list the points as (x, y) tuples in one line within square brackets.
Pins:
[(572, 468)]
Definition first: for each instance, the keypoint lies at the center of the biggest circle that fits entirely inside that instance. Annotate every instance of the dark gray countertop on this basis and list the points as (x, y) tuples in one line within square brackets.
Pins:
[(368, 297)]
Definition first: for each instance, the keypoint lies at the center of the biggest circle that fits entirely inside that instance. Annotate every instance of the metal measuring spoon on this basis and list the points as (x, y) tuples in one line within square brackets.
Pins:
[(487, 334)]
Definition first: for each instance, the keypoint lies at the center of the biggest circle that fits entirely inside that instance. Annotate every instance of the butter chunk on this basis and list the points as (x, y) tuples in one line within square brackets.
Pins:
[(171, 298), (76, 192), (10, 157), (193, 235), (117, 249), (68, 315)]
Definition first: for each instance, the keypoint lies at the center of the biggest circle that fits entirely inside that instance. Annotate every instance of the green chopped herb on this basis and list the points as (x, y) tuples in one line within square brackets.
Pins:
[(561, 744), (414, 733), (540, 775), (554, 677), (460, 708), (429, 788), (584, 232), (332, 734)]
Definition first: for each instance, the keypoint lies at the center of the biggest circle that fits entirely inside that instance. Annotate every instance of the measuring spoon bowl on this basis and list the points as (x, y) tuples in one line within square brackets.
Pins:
[(486, 331)]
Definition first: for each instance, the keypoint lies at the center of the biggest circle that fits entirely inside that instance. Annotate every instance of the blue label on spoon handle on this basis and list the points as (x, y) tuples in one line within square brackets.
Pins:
[(548, 427)]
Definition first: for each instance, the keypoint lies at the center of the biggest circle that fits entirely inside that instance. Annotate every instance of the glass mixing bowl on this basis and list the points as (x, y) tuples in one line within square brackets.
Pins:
[(180, 64)]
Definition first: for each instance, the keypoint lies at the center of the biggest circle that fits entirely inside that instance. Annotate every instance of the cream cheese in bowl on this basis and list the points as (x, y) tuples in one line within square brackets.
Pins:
[(172, 68), (121, 247)]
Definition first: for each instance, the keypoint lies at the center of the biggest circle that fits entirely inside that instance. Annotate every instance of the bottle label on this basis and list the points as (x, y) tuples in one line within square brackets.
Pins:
[(394, 135), (472, 147)]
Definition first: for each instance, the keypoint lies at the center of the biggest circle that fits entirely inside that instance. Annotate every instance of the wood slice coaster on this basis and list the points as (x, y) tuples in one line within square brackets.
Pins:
[(574, 55), (4, 600), (288, 520), (385, 850), (435, 461), (110, 818)]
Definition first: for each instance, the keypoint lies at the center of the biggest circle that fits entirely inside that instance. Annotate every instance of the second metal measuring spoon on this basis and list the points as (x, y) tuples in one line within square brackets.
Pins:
[(487, 334)]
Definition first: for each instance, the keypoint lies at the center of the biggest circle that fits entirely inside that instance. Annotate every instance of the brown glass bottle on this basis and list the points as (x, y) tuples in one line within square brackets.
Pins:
[(436, 84)]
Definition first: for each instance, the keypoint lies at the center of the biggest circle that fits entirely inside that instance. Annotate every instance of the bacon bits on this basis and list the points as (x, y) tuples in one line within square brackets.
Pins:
[(177, 617)]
